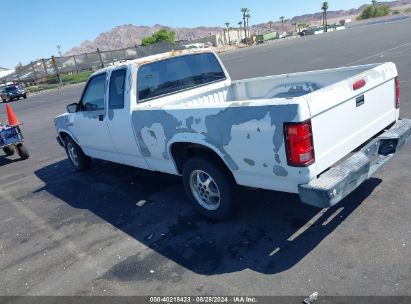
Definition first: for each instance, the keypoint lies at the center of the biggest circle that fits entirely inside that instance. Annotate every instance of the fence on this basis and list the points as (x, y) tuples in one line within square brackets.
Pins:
[(41, 70)]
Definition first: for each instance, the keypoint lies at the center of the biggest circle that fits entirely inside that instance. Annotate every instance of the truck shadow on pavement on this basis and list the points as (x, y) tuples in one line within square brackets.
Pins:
[(270, 233)]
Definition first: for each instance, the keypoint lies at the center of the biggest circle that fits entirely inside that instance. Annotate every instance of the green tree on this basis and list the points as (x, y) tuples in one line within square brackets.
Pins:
[(374, 10), (161, 35), (324, 8)]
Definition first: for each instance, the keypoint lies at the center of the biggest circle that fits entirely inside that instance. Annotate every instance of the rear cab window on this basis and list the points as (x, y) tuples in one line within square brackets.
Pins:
[(176, 74), (116, 89)]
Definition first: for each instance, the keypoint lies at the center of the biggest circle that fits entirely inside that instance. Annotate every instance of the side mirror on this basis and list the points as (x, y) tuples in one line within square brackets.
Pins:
[(72, 108)]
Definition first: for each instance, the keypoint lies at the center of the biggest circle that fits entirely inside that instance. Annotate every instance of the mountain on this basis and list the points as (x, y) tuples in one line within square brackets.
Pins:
[(130, 35), (343, 13)]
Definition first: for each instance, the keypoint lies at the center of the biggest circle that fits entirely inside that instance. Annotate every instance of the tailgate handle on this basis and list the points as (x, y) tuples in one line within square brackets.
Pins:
[(359, 101)]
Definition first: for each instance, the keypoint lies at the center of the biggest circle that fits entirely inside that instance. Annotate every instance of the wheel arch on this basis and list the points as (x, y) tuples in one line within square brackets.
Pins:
[(181, 151), (63, 135)]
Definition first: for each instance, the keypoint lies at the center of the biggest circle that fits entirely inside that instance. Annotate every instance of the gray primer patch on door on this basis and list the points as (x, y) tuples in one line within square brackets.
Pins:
[(277, 158), (189, 121), (280, 171), (152, 134), (142, 119), (248, 161)]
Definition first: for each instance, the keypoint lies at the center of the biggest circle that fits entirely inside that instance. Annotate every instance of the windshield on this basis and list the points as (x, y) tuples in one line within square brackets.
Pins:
[(176, 74), (10, 89)]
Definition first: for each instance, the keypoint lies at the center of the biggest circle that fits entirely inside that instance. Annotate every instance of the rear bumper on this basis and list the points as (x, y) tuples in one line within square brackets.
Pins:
[(339, 181)]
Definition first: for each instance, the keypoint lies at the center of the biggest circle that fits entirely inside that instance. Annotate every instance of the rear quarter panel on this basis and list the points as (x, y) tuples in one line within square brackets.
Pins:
[(248, 136)]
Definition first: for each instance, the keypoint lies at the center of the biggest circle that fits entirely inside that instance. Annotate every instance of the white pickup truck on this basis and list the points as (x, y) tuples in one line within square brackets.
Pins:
[(318, 133)]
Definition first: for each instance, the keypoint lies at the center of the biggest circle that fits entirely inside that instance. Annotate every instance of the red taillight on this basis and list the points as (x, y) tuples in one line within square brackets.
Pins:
[(299, 143), (397, 92), (358, 84)]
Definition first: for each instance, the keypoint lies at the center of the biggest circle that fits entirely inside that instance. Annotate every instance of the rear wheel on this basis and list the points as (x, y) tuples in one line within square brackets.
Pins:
[(22, 151), (210, 189), (78, 159), (9, 150), (25, 96)]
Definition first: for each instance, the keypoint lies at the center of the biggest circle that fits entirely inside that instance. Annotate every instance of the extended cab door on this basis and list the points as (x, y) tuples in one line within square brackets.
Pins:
[(119, 118), (89, 123)]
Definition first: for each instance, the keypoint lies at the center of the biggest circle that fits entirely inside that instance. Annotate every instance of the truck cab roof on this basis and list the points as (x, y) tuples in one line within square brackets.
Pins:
[(157, 57)]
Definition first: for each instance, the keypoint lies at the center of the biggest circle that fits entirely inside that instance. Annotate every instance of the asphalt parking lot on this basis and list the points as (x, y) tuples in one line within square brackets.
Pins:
[(117, 230)]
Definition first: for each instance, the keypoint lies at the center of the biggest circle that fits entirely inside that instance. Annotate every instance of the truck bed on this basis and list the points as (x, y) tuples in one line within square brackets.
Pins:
[(225, 113), (270, 87)]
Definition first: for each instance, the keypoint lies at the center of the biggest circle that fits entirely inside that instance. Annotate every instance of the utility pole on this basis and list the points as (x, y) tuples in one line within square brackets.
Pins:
[(100, 57), (59, 49), (56, 69), (44, 66), (34, 71), (75, 63)]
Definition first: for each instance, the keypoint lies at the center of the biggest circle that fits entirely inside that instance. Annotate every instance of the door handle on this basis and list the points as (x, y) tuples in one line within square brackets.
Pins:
[(100, 117)]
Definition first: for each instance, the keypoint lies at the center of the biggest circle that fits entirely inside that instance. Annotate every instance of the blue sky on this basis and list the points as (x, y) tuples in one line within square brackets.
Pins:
[(31, 29)]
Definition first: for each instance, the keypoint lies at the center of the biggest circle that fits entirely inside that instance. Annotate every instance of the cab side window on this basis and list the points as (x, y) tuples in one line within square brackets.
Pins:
[(116, 93), (93, 97)]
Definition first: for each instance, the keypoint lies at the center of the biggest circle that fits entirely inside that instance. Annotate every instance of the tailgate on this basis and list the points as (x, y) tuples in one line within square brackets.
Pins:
[(348, 113)]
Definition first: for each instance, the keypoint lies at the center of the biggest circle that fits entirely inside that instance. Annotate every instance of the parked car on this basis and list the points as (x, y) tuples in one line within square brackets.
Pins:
[(319, 134), (13, 92)]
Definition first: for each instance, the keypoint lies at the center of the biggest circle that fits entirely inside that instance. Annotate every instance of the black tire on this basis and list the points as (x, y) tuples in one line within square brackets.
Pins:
[(22, 151), (221, 183), (25, 96), (3, 100), (9, 150), (76, 156)]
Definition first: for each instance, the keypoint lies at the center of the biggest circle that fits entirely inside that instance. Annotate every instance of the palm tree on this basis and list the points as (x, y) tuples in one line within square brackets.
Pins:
[(245, 11), (228, 31), (240, 24), (374, 2), (324, 7), (248, 16), (282, 22), (295, 26), (270, 24)]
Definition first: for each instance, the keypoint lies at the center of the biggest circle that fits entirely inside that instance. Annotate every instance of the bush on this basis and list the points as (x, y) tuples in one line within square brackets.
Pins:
[(373, 11), (52, 79), (76, 78), (41, 87), (161, 35), (408, 10)]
